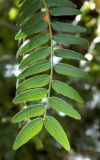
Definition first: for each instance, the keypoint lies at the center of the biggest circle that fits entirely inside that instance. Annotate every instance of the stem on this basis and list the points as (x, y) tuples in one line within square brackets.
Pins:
[(52, 53)]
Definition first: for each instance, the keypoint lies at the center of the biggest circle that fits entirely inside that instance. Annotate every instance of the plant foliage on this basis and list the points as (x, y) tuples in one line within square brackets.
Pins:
[(38, 50)]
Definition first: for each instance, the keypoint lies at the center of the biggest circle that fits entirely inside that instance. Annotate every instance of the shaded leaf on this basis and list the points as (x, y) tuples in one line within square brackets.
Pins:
[(63, 11), (67, 27), (33, 29), (20, 1), (69, 39), (35, 18), (66, 3), (24, 5), (29, 10)]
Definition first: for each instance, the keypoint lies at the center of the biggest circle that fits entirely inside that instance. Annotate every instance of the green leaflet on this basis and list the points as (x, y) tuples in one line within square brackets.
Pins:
[(66, 90), (66, 3), (30, 95), (69, 39), (34, 82), (67, 69), (35, 56), (28, 131), (32, 111), (55, 129), (68, 54), (62, 106), (35, 18), (33, 29), (38, 67), (32, 8), (63, 11), (37, 41), (67, 27), (20, 1), (24, 6)]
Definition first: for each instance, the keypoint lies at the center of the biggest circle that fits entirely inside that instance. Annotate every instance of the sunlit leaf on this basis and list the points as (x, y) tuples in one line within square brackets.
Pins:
[(66, 69), (35, 56), (62, 106), (31, 111), (30, 95), (34, 82), (69, 54), (35, 68), (55, 129), (29, 131), (32, 44), (66, 90)]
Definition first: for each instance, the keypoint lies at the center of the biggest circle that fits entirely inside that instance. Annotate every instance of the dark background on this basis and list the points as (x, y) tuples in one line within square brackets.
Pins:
[(84, 135)]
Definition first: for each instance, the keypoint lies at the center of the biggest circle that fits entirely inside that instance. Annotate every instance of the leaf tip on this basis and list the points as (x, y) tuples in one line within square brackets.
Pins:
[(13, 101), (15, 147), (16, 37), (13, 120), (78, 117), (68, 147), (81, 100)]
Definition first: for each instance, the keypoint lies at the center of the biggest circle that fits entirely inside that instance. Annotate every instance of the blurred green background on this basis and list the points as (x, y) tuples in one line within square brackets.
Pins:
[(84, 135)]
